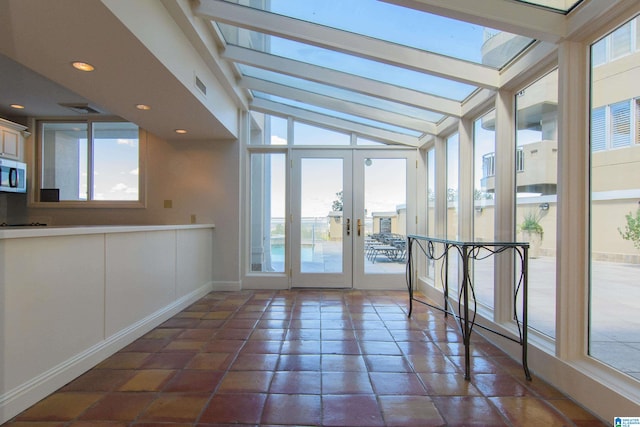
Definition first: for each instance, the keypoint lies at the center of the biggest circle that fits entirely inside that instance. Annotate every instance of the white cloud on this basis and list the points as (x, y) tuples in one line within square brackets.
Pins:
[(135, 171), (119, 187), (276, 140), (129, 142)]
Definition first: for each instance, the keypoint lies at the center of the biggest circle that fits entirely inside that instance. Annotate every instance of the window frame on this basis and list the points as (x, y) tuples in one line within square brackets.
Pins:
[(36, 173)]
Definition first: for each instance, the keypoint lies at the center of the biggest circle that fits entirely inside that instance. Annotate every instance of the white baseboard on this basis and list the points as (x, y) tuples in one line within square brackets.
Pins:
[(25, 395), (227, 286)]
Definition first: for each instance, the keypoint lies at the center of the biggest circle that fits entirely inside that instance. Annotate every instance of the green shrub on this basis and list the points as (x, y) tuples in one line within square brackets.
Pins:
[(632, 229), (531, 224)]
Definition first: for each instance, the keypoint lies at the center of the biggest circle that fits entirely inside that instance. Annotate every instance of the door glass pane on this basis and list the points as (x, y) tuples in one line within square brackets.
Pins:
[(64, 159), (268, 212), (536, 181), (484, 147), (385, 204), (115, 161), (614, 324), (321, 204)]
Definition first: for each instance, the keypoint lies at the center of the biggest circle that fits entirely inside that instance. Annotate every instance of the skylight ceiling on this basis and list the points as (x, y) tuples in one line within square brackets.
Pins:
[(557, 5), (369, 62), (398, 25)]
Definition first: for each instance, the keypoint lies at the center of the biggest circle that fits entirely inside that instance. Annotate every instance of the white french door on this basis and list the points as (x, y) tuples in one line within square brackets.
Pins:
[(349, 211)]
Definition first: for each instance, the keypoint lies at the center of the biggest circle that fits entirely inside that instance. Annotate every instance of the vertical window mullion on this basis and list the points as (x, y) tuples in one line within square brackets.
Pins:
[(90, 180)]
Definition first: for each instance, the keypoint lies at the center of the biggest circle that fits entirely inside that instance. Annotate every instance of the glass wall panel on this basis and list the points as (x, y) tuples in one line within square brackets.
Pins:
[(268, 230), (268, 130), (536, 182), (431, 208), (614, 324), (453, 150), (304, 134), (484, 175), (366, 141)]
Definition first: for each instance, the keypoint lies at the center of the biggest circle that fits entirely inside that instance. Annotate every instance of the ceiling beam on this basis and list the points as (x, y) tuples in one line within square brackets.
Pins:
[(336, 104), (348, 81), (350, 43), (392, 138), (480, 102), (505, 15), (592, 14)]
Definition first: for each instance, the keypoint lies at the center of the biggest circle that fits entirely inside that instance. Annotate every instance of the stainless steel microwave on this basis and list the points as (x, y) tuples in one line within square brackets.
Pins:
[(13, 176)]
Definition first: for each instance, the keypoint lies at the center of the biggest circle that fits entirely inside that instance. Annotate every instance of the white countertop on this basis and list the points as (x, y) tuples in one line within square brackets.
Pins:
[(71, 230)]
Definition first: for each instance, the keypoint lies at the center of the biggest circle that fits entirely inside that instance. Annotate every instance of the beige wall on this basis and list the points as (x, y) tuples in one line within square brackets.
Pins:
[(617, 80), (607, 244), (616, 169)]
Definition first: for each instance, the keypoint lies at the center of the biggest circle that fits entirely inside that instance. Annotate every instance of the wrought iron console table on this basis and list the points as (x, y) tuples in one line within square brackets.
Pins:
[(438, 249)]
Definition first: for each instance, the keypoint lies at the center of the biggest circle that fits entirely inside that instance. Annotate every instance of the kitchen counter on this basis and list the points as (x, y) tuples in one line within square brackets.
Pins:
[(70, 230), (72, 296)]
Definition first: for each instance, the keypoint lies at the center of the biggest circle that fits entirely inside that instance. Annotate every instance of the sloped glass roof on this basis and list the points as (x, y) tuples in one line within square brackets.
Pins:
[(350, 64), (558, 5), (369, 62), (333, 113), (396, 24), (340, 94)]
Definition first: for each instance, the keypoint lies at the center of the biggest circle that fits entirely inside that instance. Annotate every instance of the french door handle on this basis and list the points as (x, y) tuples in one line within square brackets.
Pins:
[(348, 226), (359, 226)]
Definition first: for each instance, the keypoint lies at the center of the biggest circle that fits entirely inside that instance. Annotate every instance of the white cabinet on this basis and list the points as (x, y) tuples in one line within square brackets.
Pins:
[(11, 140)]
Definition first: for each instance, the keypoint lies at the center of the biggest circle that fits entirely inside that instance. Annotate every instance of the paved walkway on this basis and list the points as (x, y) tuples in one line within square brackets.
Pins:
[(615, 301)]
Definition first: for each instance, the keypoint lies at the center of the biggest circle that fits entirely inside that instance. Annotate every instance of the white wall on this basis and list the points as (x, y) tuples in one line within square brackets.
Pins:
[(201, 178), (70, 297)]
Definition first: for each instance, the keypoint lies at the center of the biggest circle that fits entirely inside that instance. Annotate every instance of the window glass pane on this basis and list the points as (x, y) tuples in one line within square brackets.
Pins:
[(431, 207), (453, 146), (638, 33), (304, 134), (333, 113), (366, 141), (115, 161), (536, 183), (268, 212), (637, 120), (620, 124), (268, 130), (64, 159), (599, 53), (614, 324), (484, 147), (598, 129), (621, 41)]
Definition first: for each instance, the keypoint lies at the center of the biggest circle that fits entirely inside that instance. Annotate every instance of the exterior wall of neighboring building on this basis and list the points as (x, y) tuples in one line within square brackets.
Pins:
[(613, 82)]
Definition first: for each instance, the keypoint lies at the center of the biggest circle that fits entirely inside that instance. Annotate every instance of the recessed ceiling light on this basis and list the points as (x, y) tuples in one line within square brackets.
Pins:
[(181, 131), (17, 106), (82, 66), (143, 107)]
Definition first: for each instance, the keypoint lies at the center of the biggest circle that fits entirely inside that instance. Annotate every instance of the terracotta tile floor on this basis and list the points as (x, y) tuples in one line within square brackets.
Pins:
[(307, 357)]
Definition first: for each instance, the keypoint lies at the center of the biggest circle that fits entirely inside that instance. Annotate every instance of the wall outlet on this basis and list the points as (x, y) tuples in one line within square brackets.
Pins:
[(193, 218), (168, 204)]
